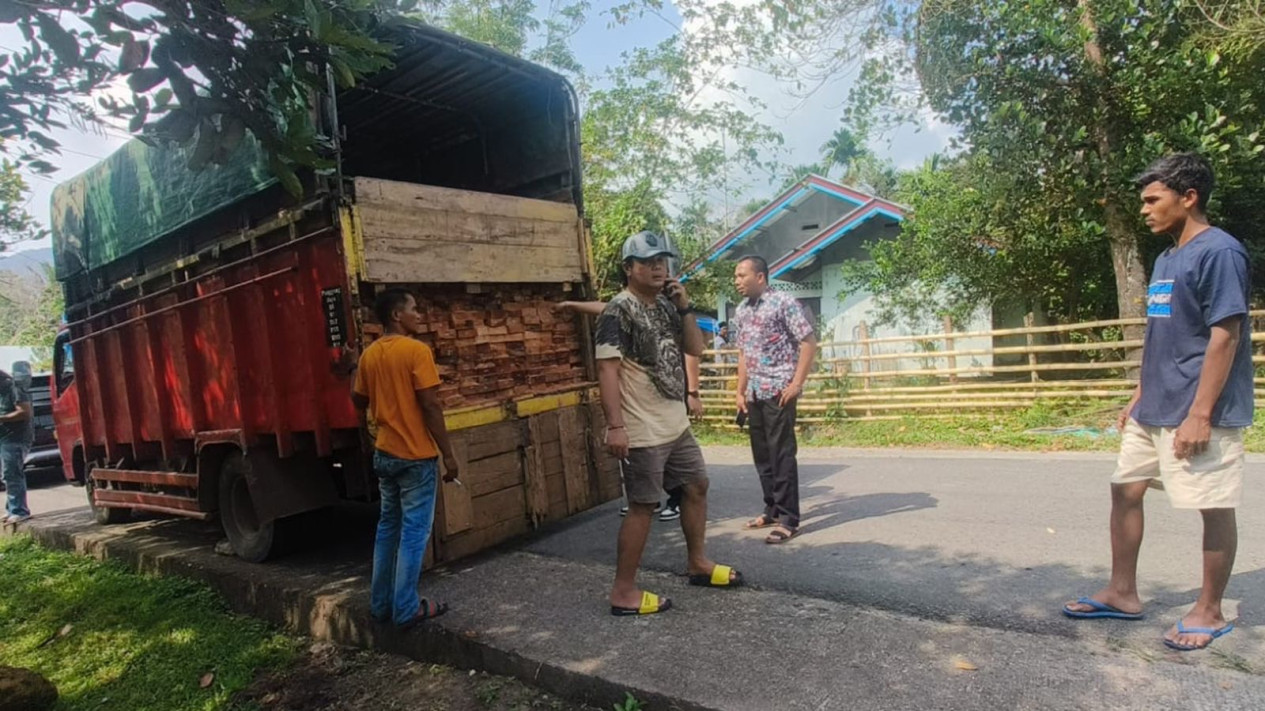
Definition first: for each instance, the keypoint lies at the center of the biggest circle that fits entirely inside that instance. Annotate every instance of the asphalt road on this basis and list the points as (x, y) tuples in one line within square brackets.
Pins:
[(47, 492), (998, 540)]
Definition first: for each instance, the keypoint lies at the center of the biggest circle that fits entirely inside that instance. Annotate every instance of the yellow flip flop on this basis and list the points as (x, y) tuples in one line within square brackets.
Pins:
[(720, 578), (650, 604)]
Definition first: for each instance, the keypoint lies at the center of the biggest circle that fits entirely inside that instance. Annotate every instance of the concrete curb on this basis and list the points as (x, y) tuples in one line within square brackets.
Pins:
[(336, 612)]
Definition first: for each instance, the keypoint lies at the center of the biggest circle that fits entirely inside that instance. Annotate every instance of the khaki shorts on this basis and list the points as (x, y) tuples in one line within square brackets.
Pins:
[(1212, 480), (650, 470)]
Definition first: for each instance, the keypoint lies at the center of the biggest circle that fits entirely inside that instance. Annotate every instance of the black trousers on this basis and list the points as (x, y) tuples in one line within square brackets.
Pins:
[(774, 447)]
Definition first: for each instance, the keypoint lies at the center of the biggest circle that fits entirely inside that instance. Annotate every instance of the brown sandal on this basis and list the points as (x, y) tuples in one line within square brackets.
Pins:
[(780, 535), (760, 521)]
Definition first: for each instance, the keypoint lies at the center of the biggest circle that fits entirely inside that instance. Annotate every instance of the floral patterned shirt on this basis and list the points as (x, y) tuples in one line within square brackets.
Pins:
[(768, 335)]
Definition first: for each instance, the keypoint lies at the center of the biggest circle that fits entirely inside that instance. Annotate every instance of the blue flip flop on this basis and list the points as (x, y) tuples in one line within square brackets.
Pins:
[(1101, 610), (1183, 629)]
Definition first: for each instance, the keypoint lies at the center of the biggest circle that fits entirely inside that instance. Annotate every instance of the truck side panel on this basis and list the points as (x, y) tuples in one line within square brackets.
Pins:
[(252, 346)]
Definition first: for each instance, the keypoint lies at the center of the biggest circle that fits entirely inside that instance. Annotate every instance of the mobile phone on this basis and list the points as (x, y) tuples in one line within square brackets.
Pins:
[(741, 419)]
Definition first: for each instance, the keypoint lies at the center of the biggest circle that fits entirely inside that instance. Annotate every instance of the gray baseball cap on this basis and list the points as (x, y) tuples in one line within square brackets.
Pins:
[(646, 245)]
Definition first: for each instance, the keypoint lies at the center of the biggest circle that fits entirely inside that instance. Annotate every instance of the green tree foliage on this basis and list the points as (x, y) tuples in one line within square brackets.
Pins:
[(665, 134), (845, 150), (670, 126), (210, 69), (31, 306), (963, 246), (1237, 26), (16, 223), (1061, 103)]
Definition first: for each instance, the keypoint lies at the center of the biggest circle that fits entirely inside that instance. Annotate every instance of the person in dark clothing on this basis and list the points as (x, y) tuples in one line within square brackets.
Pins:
[(16, 436), (776, 347), (1182, 431)]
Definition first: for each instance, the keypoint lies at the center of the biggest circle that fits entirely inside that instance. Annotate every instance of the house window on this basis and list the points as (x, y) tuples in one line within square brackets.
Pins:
[(812, 306)]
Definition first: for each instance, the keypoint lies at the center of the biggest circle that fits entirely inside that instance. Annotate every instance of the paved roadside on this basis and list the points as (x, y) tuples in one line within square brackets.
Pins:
[(922, 581)]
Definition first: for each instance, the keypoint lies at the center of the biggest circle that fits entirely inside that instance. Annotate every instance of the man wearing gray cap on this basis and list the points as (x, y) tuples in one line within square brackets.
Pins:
[(641, 337)]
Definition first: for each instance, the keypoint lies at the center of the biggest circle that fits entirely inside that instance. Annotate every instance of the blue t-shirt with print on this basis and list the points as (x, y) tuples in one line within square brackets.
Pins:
[(1204, 282)]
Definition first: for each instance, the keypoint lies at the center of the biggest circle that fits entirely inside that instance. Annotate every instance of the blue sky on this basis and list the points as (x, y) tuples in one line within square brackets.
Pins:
[(805, 124)]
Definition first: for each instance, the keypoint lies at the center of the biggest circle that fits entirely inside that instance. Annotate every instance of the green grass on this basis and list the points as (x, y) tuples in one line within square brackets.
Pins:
[(1002, 431), (111, 639)]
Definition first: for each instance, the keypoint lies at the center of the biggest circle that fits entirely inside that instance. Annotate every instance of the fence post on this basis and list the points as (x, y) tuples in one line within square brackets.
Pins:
[(863, 331), (1029, 321), (952, 361)]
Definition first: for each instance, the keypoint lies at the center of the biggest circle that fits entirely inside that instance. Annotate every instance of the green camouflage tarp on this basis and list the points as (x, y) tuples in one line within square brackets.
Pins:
[(138, 195)]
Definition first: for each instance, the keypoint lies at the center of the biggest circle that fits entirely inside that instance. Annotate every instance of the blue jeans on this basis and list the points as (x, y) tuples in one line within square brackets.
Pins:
[(408, 488), (11, 457)]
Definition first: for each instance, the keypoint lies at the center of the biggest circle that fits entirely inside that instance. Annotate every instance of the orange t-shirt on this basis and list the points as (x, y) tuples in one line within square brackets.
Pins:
[(392, 370)]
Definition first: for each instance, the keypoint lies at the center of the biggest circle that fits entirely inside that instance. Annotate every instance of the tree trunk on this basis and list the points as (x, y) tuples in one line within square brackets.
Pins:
[(1126, 258)]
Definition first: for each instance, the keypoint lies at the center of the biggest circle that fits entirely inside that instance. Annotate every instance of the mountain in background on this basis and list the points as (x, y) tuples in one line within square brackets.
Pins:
[(26, 261)]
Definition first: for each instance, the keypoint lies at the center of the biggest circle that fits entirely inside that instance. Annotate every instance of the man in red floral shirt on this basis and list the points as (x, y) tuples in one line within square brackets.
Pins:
[(776, 347)]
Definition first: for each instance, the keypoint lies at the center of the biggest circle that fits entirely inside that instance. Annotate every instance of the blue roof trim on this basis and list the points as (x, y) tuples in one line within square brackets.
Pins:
[(777, 210), (835, 193), (851, 225)]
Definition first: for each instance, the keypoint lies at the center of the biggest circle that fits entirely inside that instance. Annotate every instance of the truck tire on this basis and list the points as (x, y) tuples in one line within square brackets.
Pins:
[(104, 515), (252, 541)]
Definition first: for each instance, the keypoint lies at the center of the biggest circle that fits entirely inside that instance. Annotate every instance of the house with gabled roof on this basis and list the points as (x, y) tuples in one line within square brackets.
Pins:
[(806, 234)]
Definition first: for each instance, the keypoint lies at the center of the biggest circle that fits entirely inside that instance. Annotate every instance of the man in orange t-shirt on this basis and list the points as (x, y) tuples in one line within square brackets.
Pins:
[(398, 383)]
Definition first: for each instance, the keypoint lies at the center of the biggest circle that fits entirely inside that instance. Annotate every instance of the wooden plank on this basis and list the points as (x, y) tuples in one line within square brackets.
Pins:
[(547, 428), (491, 440), (414, 258), (418, 233), (574, 471), (552, 459), (1028, 321), (534, 475), (604, 466), (473, 541), (430, 197), (1007, 350), (556, 486), (505, 505), (495, 473), (455, 499), (432, 554)]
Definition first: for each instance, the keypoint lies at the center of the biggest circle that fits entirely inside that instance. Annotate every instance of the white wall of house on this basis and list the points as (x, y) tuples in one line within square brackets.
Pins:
[(842, 324)]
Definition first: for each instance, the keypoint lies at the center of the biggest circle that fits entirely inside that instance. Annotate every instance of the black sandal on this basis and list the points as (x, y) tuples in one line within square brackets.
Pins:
[(781, 535), (760, 521), (428, 611)]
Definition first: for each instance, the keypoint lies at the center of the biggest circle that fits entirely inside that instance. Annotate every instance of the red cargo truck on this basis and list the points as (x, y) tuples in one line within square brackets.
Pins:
[(214, 321)]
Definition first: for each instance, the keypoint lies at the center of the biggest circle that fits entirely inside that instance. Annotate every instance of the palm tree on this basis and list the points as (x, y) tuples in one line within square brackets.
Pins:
[(843, 149)]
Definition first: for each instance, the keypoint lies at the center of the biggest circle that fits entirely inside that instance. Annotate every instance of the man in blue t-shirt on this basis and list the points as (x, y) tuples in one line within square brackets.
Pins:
[(1183, 429)]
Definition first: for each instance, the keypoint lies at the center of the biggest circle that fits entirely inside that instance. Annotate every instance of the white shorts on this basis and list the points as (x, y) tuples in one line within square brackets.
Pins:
[(1212, 480)]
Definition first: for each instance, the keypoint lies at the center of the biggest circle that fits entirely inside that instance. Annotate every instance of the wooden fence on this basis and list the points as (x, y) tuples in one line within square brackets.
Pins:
[(954, 373)]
